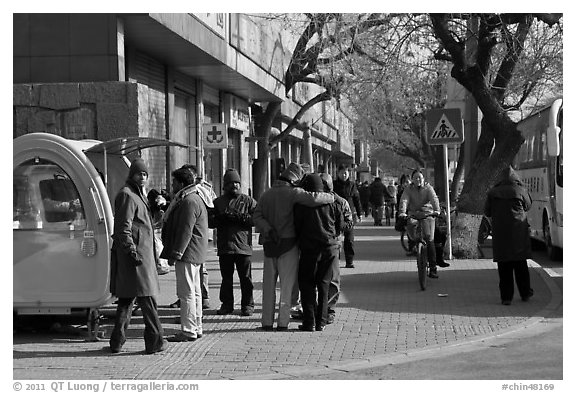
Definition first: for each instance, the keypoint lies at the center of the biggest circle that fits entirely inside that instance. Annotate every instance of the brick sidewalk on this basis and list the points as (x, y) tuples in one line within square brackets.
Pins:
[(381, 312)]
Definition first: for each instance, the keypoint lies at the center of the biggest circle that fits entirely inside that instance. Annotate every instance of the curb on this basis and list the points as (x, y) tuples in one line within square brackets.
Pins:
[(530, 327)]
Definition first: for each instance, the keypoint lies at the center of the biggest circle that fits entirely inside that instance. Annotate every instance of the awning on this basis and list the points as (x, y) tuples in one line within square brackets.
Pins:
[(127, 145)]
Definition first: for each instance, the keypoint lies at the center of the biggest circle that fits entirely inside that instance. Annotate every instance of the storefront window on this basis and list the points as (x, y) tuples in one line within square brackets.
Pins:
[(44, 197)]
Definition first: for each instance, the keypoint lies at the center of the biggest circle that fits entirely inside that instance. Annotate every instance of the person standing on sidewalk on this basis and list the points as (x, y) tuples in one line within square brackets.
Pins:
[(364, 192), (507, 204), (185, 239), (133, 274), (274, 220), (346, 188), (378, 195), (317, 231), (233, 220), (334, 287)]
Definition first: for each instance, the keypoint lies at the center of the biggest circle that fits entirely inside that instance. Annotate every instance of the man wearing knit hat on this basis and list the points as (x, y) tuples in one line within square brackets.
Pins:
[(233, 220), (133, 265), (274, 220)]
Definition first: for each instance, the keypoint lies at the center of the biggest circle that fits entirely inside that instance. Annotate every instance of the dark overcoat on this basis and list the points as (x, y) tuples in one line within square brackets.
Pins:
[(133, 264), (507, 203)]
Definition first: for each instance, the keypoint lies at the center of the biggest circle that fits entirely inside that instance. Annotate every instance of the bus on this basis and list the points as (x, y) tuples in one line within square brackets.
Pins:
[(539, 164)]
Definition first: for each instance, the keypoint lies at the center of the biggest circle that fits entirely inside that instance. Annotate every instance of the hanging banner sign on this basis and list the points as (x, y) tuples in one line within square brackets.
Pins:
[(215, 135), (444, 126)]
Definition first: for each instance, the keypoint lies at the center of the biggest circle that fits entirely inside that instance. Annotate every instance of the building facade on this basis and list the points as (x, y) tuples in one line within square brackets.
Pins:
[(183, 77)]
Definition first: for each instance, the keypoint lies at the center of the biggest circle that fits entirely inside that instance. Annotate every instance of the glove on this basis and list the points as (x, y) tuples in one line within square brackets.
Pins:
[(135, 258)]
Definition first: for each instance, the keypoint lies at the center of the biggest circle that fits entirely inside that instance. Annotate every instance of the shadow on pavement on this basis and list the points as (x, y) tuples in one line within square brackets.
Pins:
[(471, 293)]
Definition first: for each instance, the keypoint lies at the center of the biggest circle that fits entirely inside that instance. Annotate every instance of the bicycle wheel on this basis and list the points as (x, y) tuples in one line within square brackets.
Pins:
[(422, 261), (404, 241)]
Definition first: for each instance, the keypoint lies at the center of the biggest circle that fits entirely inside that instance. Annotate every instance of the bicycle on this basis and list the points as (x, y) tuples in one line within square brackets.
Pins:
[(421, 248)]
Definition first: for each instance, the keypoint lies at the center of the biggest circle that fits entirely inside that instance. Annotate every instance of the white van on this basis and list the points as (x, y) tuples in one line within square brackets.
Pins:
[(63, 221)]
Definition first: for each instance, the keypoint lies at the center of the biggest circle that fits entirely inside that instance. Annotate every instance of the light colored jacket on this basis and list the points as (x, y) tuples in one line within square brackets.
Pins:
[(419, 199)]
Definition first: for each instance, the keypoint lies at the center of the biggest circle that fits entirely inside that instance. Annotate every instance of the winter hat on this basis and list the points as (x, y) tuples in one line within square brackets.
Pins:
[(313, 183), (293, 173), (327, 180), (231, 176), (137, 166)]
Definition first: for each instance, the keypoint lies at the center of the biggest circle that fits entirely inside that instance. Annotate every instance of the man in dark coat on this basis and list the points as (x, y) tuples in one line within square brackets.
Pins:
[(133, 264), (233, 220), (334, 287), (507, 203), (378, 195), (346, 188), (317, 230), (364, 191)]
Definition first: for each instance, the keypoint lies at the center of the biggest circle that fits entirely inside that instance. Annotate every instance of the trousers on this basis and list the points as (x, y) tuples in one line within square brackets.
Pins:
[(190, 295), (428, 226), (244, 269), (153, 331), (314, 275), (285, 269), (507, 271)]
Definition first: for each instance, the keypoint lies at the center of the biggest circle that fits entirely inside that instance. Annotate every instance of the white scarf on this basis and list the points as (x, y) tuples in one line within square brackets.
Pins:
[(183, 193)]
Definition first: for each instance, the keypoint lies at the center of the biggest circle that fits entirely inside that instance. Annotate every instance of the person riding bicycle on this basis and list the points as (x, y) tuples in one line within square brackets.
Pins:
[(420, 200)]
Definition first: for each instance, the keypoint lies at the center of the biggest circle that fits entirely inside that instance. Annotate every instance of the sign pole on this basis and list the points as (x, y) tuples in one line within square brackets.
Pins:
[(447, 194)]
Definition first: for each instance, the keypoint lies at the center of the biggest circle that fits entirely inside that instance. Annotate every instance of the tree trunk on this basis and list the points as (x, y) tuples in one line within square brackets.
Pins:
[(483, 175), (262, 130)]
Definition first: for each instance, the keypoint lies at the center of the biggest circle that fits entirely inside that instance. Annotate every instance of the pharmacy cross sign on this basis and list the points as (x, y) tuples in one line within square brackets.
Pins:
[(444, 126), (216, 135)]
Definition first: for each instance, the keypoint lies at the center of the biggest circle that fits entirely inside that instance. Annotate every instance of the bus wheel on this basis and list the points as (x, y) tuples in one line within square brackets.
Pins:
[(554, 253)]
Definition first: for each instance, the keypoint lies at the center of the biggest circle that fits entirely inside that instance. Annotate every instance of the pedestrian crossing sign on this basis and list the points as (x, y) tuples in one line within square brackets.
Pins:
[(444, 126)]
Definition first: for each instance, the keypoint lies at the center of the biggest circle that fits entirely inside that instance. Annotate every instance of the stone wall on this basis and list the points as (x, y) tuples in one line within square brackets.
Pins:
[(100, 110)]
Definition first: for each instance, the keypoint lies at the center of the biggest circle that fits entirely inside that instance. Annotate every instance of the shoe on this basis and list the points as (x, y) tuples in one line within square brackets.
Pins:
[(266, 328), (162, 348), (506, 302), (205, 304), (297, 315), (350, 266), (176, 304), (330, 319), (224, 310), (115, 349), (281, 328), (433, 274), (306, 328), (527, 297), (180, 337), (247, 311), (442, 264), (320, 328)]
